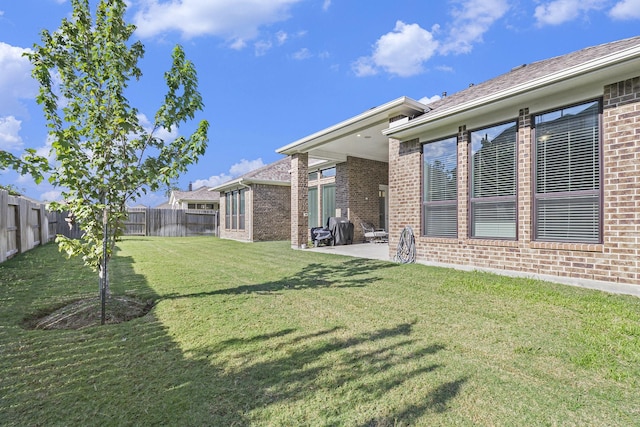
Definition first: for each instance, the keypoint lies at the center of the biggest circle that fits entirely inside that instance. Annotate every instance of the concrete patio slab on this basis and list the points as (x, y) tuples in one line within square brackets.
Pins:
[(378, 251)]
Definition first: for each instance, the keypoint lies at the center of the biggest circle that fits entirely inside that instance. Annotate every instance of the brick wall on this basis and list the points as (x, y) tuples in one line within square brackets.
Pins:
[(405, 176), (615, 260), (357, 187), (271, 212), (299, 199)]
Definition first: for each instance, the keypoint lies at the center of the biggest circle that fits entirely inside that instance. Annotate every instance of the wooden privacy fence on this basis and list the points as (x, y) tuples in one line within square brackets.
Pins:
[(152, 222), (23, 225), (171, 222)]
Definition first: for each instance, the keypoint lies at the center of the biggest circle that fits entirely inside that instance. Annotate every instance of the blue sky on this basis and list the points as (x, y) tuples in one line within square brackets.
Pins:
[(274, 71)]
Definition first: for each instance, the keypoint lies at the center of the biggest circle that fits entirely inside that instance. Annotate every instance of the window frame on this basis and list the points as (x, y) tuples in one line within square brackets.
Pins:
[(227, 210), (235, 209), (451, 203), (558, 196), (474, 201)]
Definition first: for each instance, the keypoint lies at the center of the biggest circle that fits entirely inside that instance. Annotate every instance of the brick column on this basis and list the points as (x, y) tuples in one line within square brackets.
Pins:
[(299, 199), (525, 170), (621, 130), (405, 196), (463, 186)]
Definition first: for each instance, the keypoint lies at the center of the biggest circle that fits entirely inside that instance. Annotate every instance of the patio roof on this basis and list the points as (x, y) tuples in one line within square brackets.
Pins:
[(360, 136)]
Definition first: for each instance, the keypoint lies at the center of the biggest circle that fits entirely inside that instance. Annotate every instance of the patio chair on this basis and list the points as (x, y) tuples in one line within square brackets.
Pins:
[(372, 234)]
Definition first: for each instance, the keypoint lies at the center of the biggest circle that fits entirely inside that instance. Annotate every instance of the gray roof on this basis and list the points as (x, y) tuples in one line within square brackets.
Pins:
[(527, 72), (201, 194), (277, 171)]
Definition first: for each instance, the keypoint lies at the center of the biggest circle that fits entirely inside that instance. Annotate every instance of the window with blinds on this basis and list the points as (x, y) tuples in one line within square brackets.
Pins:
[(567, 175), (227, 210), (328, 202), (235, 209), (440, 190), (493, 182), (241, 203), (313, 207)]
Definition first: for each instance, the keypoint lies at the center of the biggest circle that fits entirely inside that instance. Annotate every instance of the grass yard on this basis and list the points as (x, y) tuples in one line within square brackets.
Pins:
[(259, 334)]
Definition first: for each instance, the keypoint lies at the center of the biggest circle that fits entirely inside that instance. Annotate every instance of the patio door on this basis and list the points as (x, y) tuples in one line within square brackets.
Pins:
[(383, 206)]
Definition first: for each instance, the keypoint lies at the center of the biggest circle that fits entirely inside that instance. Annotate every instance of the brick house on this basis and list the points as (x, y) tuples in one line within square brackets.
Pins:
[(257, 205), (535, 172), (199, 199)]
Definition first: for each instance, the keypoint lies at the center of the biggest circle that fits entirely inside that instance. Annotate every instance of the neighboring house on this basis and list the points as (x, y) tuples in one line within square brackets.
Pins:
[(257, 205), (534, 172), (200, 199)]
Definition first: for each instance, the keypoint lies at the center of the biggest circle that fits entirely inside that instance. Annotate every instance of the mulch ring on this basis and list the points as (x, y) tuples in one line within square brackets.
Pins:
[(88, 312)]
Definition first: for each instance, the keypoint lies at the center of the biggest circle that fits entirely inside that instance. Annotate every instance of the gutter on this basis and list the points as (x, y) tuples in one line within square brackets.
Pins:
[(242, 182), (558, 77)]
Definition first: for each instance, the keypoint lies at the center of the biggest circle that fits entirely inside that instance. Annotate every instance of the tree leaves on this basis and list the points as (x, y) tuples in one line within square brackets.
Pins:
[(104, 157)]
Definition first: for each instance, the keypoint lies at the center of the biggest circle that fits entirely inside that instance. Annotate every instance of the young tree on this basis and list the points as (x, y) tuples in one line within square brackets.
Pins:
[(104, 157), (29, 164)]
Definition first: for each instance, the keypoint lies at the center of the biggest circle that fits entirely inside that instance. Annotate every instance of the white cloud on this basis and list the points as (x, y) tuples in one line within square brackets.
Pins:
[(302, 54), (193, 18), (262, 47), (212, 181), (242, 167), (401, 52), (15, 78), (326, 5), (364, 66), (245, 166), (51, 196), (10, 133), (557, 12), (161, 133), (626, 9), (471, 20), (429, 100), (281, 37)]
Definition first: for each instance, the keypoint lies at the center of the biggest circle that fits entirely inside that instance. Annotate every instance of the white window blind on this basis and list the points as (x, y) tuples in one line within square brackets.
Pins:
[(440, 198), (328, 202), (313, 207), (494, 182), (567, 205)]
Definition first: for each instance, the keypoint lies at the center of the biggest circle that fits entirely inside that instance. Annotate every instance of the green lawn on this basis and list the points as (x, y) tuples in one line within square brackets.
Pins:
[(259, 334)]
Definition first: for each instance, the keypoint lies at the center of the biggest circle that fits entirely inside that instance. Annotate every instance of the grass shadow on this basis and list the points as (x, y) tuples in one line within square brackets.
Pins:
[(349, 274), (137, 373)]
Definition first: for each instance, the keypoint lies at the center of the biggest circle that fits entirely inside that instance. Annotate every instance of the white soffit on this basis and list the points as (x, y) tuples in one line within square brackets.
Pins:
[(368, 124)]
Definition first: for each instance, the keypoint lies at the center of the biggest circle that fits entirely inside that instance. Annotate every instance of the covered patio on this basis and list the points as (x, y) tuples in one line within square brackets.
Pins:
[(359, 152)]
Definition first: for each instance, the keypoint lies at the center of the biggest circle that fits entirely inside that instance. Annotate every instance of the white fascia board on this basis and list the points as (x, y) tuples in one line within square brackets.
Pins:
[(244, 183), (530, 86), (345, 127), (268, 182), (228, 185)]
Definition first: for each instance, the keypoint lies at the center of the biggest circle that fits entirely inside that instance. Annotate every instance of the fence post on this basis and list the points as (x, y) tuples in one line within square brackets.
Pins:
[(4, 213), (44, 225)]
